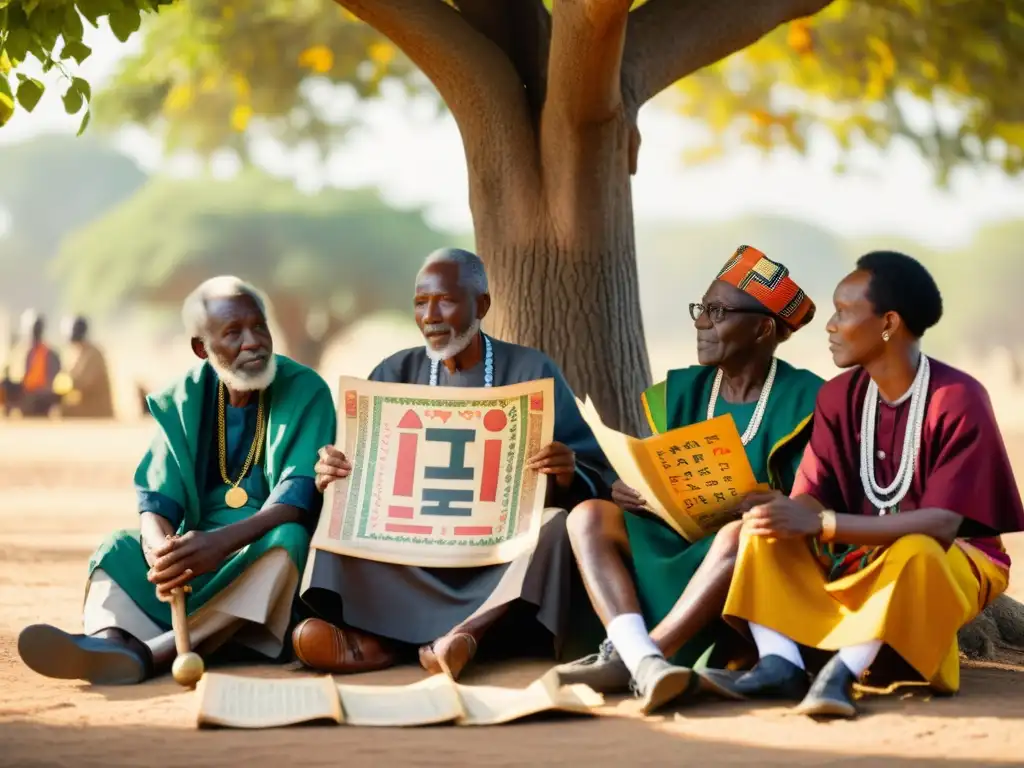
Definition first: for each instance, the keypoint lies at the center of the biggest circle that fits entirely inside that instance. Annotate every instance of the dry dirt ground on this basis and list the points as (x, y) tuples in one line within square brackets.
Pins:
[(63, 486)]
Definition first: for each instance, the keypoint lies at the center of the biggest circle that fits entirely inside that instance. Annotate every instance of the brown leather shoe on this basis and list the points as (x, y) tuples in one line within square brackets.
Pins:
[(326, 648)]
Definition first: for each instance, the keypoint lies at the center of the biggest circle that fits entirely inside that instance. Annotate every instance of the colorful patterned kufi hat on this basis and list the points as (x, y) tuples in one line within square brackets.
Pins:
[(768, 282)]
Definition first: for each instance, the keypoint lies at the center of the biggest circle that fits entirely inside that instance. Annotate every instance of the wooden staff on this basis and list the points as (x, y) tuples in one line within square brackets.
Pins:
[(188, 667), (179, 620)]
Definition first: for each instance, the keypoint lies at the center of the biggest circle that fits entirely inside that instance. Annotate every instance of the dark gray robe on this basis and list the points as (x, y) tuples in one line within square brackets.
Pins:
[(419, 605)]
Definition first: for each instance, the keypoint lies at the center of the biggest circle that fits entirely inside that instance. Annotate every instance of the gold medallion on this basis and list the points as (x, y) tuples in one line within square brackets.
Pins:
[(236, 497)]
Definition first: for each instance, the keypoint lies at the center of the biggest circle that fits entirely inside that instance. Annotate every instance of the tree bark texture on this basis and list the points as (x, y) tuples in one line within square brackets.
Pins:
[(546, 106), (581, 307)]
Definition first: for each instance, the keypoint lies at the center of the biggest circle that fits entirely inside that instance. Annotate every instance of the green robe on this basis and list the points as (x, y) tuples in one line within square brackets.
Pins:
[(301, 418), (663, 561)]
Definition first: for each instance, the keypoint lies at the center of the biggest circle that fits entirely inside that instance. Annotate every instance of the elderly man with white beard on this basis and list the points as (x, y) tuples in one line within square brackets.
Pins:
[(227, 502), (370, 611)]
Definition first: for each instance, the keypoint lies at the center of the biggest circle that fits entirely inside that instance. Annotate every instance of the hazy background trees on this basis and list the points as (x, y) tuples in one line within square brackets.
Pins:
[(325, 260), (127, 246)]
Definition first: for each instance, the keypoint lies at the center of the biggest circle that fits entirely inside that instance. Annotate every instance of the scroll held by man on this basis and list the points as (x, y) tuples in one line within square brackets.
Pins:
[(692, 477), (439, 474)]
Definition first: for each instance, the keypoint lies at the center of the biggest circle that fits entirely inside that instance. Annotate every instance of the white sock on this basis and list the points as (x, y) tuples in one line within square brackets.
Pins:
[(771, 643), (628, 634), (858, 658)]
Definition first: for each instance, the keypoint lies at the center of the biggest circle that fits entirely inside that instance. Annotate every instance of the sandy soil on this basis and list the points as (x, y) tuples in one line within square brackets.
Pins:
[(64, 486)]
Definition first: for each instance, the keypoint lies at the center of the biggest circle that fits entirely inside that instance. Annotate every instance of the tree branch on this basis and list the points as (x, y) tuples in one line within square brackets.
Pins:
[(584, 67), (474, 77), (669, 39), (522, 29)]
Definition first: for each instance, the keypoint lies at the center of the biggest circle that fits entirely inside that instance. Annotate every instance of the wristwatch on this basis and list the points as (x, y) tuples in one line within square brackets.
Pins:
[(828, 524)]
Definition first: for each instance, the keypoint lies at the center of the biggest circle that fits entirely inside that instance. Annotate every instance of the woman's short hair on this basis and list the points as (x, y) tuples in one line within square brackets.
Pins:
[(902, 285)]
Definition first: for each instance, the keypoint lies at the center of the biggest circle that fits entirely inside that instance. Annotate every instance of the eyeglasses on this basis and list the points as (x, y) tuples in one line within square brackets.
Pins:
[(717, 312)]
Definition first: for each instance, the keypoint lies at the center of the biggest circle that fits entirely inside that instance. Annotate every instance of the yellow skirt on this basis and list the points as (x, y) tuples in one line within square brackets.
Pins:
[(914, 598)]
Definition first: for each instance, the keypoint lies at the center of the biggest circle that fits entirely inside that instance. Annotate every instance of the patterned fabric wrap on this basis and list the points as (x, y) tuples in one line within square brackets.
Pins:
[(768, 282), (840, 560)]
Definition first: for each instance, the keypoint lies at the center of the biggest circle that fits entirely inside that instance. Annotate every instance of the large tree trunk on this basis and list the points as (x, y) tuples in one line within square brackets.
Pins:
[(598, 340), (550, 143), (564, 274)]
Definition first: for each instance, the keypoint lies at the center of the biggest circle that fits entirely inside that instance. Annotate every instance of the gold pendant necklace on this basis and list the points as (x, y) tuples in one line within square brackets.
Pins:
[(237, 497)]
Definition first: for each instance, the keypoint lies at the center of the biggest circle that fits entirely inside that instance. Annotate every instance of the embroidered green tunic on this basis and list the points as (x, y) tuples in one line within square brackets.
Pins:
[(663, 561), (179, 477)]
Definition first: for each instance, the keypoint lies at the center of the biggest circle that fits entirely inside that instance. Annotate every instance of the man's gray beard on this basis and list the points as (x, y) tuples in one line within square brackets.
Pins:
[(457, 345), (243, 381)]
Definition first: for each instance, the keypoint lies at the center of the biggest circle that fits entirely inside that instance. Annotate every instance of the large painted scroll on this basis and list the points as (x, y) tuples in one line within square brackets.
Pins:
[(439, 474)]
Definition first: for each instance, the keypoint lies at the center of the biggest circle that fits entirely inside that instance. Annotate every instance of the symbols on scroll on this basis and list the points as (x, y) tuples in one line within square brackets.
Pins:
[(706, 467), (440, 501), (438, 478)]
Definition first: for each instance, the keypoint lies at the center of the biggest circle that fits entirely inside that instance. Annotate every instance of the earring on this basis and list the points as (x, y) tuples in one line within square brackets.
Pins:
[(885, 335)]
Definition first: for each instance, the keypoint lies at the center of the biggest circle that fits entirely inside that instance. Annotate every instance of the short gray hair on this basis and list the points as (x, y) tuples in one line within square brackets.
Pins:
[(194, 312), (472, 273)]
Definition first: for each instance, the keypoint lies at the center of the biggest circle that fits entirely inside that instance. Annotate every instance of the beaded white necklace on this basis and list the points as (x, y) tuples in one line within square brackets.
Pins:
[(488, 366), (755, 420), (888, 498)]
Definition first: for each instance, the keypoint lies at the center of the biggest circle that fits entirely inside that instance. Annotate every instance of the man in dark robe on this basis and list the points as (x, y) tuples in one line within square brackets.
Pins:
[(369, 610), (891, 538)]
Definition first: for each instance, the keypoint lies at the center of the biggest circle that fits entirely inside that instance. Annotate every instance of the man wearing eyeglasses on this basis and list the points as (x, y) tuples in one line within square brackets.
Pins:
[(750, 308)]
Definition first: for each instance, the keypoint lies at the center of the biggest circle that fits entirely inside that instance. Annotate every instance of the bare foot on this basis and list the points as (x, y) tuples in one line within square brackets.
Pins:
[(450, 654)]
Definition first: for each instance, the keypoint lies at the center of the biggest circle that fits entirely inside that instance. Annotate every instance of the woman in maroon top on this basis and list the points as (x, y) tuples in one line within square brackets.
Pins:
[(890, 538)]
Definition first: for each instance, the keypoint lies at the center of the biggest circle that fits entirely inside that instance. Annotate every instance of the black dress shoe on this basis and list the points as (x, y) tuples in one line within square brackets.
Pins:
[(54, 653), (831, 695), (772, 678), (720, 682)]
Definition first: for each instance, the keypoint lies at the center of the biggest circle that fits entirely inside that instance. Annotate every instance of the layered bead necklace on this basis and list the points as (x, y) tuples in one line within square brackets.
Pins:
[(762, 401), (488, 366), (888, 498)]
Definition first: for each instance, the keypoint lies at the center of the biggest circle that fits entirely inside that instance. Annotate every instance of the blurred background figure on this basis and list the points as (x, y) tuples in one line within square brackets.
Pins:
[(7, 389), (86, 380), (31, 370)]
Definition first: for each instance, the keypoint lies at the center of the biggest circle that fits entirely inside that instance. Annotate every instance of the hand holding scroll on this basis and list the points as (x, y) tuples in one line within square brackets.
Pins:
[(626, 497), (332, 466), (555, 459)]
